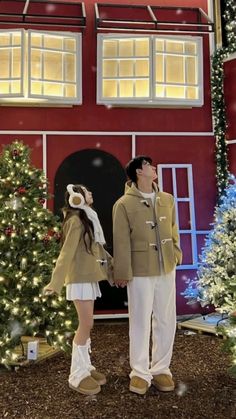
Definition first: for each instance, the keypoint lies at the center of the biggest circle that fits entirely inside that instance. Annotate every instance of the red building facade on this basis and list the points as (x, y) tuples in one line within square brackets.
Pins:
[(90, 142)]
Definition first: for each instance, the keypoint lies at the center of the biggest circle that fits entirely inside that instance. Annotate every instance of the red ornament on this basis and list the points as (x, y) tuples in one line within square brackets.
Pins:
[(46, 239), (15, 152), (41, 201), (8, 231), (21, 190)]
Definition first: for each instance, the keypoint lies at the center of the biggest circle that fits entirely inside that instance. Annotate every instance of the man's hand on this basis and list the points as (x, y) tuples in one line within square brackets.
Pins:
[(121, 283)]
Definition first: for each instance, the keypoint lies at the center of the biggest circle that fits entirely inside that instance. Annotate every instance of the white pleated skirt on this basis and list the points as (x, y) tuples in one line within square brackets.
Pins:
[(83, 291)]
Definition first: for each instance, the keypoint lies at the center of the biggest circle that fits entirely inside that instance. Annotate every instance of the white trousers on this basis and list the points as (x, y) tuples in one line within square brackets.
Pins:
[(152, 305)]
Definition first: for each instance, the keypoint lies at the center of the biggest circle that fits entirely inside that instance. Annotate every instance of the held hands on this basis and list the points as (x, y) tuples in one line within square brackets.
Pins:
[(121, 283)]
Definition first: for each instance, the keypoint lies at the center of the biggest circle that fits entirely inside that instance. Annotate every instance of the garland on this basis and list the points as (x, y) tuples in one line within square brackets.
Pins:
[(218, 103)]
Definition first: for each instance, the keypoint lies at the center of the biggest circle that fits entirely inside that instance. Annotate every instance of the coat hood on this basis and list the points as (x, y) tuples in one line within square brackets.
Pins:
[(131, 188)]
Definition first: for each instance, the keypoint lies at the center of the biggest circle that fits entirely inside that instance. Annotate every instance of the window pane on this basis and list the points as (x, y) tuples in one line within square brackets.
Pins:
[(126, 68), (110, 68), (141, 47), (4, 39), (5, 63), (110, 48), (172, 46), (109, 88), (192, 92), (53, 42), (69, 44), (16, 38), (160, 91), (160, 68), (126, 88), (53, 66), (36, 88), (126, 48), (36, 40), (174, 69), (15, 87), (70, 68), (175, 92), (142, 88), (16, 62), (190, 48), (36, 64), (159, 45), (142, 68), (70, 90), (4, 87), (191, 70), (53, 89)]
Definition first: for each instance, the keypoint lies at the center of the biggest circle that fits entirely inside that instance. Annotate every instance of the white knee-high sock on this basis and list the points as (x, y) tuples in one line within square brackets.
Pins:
[(87, 355), (79, 365)]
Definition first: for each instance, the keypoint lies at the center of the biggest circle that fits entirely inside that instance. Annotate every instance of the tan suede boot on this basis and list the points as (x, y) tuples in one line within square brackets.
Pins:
[(138, 385), (163, 382), (80, 378), (87, 386)]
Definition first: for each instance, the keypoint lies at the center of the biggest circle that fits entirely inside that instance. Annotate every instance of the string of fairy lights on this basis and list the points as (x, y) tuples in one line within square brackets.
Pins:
[(29, 246), (218, 103)]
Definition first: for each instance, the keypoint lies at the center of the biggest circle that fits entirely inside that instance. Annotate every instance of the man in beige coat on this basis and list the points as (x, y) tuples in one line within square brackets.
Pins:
[(146, 251)]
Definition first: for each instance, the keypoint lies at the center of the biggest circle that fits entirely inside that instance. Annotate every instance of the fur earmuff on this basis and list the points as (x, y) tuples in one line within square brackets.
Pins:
[(76, 199)]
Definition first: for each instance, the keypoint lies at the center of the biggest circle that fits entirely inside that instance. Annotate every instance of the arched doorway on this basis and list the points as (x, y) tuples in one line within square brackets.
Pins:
[(103, 174)]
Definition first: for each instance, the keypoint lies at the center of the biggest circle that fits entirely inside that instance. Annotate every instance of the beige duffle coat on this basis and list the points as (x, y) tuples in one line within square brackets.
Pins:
[(75, 264), (145, 238)]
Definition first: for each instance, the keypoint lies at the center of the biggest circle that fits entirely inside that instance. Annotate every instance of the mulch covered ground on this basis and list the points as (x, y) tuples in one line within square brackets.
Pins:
[(203, 387)]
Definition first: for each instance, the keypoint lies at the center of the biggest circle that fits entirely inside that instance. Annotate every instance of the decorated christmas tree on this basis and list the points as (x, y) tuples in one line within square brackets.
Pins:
[(216, 283), (29, 246)]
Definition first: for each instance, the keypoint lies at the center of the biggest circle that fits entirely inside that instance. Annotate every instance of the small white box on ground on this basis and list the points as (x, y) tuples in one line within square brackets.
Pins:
[(32, 350)]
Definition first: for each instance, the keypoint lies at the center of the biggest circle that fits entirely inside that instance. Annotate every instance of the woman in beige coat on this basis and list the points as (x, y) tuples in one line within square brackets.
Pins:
[(81, 264)]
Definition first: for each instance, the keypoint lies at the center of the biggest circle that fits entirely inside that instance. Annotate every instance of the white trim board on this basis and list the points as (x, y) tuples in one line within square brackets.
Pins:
[(118, 133)]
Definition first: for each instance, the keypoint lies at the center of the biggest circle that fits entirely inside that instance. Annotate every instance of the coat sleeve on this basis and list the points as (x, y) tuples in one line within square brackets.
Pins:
[(73, 233), (121, 244), (175, 236)]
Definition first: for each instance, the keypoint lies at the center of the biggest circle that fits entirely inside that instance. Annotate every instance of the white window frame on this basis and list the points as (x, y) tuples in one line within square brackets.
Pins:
[(152, 100), (44, 99), (78, 82), (13, 95), (190, 199)]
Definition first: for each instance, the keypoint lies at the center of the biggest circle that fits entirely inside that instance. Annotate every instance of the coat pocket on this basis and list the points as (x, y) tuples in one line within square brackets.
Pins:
[(139, 257)]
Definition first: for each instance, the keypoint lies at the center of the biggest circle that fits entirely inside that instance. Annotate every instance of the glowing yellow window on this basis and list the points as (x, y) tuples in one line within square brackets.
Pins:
[(126, 68), (110, 48), (109, 88), (110, 68), (42, 65), (141, 88), (126, 88), (150, 69)]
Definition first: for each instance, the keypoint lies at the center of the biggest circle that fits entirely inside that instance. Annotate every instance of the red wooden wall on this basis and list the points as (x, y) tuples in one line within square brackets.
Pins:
[(195, 146)]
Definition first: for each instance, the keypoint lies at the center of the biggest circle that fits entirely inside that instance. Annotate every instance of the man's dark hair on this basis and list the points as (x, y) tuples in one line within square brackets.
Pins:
[(134, 164)]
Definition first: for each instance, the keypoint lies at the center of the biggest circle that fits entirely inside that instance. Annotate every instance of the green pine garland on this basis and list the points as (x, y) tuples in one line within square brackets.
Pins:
[(218, 103)]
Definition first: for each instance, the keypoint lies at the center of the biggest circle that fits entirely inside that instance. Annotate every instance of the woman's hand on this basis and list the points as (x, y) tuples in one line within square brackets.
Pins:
[(48, 291)]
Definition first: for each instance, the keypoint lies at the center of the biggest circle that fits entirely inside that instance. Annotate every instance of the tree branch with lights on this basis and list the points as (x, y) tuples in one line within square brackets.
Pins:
[(218, 103), (29, 246)]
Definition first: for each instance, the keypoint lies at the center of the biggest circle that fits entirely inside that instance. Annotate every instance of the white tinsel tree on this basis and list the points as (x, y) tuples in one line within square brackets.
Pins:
[(217, 272), (216, 283)]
